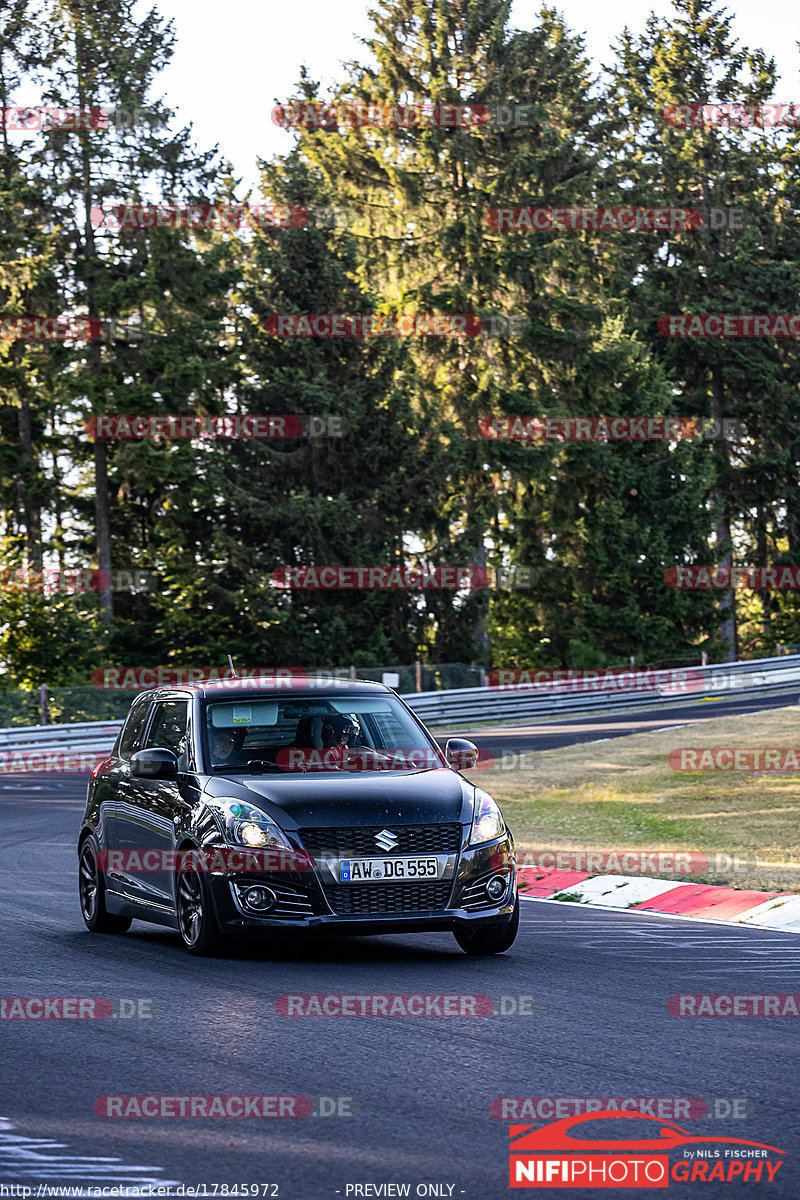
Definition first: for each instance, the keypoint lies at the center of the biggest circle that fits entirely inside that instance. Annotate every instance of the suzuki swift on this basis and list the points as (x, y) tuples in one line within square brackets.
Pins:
[(226, 810)]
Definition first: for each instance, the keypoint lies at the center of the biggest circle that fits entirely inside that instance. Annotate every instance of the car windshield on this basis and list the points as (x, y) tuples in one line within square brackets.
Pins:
[(297, 734)]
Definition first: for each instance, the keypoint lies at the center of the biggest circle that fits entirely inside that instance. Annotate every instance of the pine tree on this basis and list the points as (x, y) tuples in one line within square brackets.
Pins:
[(425, 232), (342, 500), (103, 58), (26, 288), (693, 58)]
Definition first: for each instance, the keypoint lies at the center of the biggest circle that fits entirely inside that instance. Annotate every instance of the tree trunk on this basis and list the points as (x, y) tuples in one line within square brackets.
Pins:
[(761, 561), (483, 643), (727, 606), (27, 487), (102, 510), (102, 505)]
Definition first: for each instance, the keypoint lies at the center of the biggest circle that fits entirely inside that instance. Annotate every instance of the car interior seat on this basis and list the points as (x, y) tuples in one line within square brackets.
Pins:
[(309, 733)]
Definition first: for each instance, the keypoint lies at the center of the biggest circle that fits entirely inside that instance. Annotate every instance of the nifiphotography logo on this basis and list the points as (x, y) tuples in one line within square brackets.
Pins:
[(560, 1155)]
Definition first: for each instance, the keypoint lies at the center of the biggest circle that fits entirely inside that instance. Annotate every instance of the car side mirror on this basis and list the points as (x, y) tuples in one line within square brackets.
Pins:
[(158, 763), (461, 754)]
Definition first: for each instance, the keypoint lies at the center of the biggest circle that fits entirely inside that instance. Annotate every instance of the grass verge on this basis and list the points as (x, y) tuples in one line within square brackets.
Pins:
[(623, 795)]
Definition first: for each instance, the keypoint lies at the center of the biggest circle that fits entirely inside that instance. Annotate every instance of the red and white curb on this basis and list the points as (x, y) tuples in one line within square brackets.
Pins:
[(768, 910)]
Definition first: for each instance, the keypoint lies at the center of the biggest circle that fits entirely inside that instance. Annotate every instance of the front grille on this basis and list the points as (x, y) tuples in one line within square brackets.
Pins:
[(367, 900), (411, 839)]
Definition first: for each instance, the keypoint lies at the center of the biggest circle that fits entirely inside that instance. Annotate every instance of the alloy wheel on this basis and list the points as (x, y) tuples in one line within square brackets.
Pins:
[(190, 906), (88, 882)]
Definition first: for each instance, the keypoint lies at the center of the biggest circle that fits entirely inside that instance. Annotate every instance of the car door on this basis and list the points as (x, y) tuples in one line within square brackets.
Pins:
[(147, 820), (114, 785)]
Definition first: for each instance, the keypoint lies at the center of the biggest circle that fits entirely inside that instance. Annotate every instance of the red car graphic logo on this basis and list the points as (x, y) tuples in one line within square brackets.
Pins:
[(556, 1136)]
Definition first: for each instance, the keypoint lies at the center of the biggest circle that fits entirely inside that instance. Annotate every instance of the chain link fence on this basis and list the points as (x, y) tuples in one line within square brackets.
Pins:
[(56, 705)]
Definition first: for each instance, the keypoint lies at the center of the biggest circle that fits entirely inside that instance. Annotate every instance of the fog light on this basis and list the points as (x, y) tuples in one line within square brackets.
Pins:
[(260, 898), (496, 887)]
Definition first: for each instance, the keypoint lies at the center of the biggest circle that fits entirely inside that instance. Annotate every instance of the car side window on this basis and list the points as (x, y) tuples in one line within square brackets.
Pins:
[(168, 728), (130, 739)]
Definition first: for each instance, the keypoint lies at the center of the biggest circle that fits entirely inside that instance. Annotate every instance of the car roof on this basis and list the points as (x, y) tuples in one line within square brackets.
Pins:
[(235, 689)]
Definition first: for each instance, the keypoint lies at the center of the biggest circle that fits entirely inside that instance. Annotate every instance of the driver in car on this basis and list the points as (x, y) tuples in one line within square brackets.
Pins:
[(338, 734), (223, 745)]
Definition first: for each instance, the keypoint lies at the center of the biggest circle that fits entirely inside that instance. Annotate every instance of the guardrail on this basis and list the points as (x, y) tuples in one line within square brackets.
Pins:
[(512, 703), (84, 736), (743, 679)]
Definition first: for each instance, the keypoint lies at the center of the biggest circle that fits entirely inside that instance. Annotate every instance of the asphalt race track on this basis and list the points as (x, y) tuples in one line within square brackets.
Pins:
[(549, 735), (419, 1089)]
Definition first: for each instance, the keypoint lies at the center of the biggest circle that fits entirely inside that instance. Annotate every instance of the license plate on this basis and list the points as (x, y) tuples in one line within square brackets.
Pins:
[(386, 870)]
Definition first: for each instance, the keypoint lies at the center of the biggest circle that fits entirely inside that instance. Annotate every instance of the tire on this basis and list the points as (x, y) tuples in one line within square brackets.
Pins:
[(197, 924), (494, 940), (92, 894)]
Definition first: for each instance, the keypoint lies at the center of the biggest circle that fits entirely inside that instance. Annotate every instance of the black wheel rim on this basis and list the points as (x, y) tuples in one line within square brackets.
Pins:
[(190, 906), (88, 883)]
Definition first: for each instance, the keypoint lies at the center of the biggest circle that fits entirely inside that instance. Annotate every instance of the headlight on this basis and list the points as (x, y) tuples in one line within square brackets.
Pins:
[(248, 826), (487, 822)]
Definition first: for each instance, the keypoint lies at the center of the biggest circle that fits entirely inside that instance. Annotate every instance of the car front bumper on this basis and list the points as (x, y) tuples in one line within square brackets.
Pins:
[(464, 905)]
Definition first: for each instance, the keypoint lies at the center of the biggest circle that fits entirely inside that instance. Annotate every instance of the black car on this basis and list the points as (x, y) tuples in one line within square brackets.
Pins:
[(230, 810)]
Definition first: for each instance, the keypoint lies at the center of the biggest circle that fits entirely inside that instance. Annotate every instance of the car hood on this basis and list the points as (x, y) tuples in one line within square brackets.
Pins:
[(328, 799)]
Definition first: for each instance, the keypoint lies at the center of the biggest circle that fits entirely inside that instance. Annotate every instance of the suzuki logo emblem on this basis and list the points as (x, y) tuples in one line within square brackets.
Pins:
[(386, 839)]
